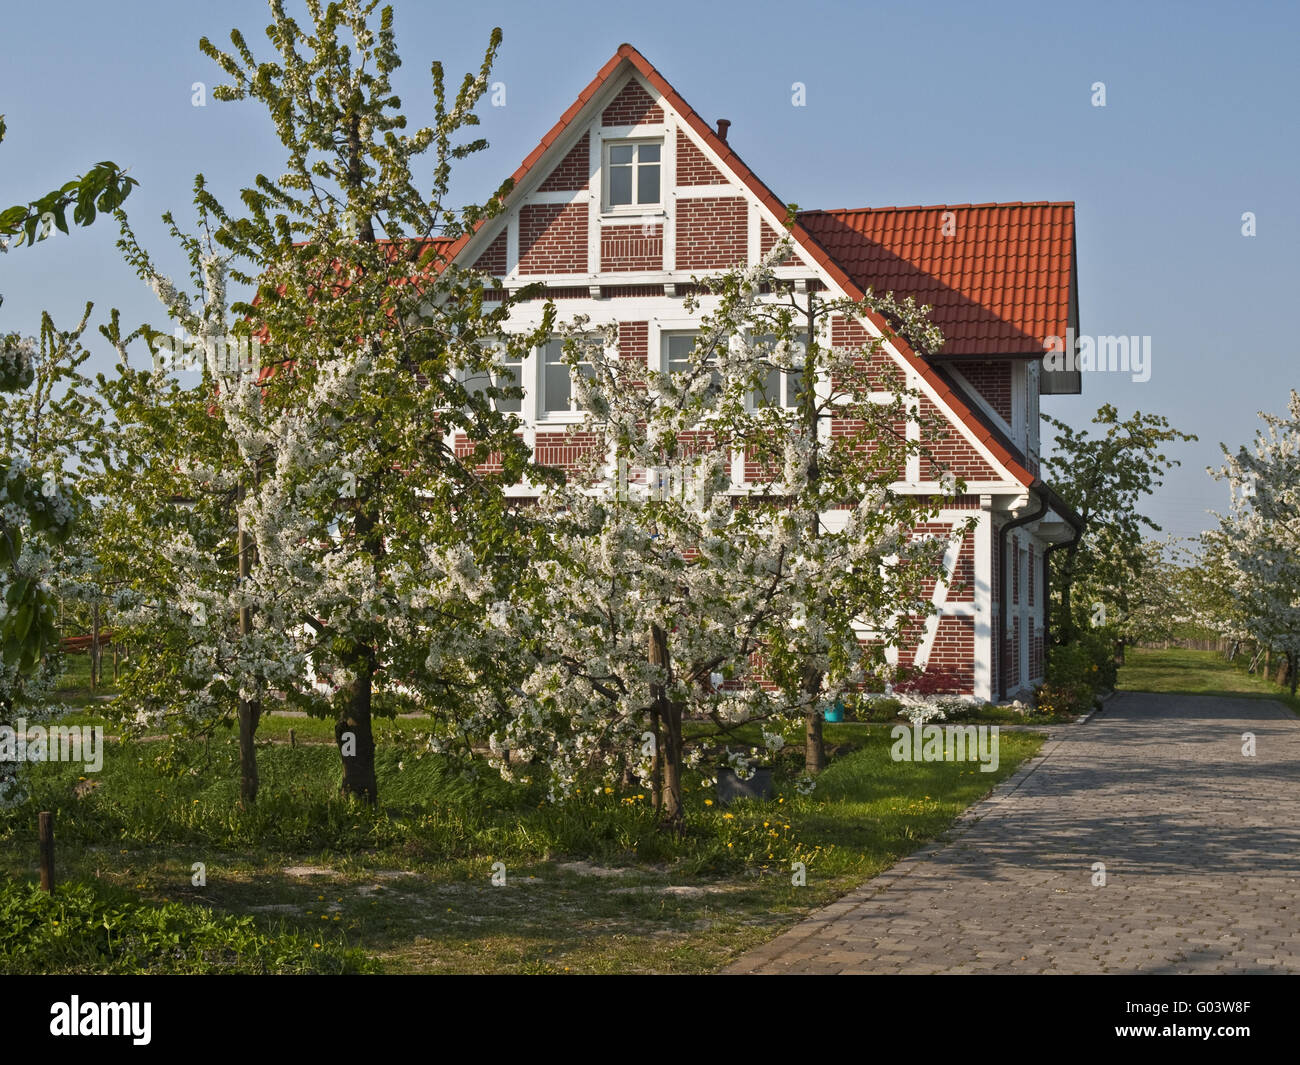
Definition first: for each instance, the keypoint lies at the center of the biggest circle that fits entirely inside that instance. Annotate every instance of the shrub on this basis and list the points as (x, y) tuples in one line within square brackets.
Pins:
[(1077, 672), (85, 928)]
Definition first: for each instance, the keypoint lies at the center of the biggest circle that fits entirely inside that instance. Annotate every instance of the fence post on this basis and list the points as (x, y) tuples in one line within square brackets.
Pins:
[(46, 830)]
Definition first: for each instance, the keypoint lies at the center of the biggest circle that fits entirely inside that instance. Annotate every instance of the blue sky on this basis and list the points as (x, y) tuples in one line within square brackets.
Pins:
[(907, 103)]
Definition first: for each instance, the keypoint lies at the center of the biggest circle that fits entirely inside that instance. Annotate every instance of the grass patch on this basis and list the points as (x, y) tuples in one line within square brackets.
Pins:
[(94, 928), (590, 886), (1178, 670)]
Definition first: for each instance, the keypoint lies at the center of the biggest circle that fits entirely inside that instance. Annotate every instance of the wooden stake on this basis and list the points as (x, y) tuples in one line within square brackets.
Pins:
[(46, 822)]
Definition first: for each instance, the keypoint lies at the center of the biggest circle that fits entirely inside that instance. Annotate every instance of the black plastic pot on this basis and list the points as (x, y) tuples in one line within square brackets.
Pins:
[(731, 787)]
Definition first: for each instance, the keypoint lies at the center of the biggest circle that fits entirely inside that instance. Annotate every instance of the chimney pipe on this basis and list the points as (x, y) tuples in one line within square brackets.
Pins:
[(724, 124)]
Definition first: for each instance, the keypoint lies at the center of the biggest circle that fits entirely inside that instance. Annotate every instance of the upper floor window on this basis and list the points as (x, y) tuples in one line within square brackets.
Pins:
[(558, 395), (779, 387), (679, 355), (776, 386), (632, 171), (506, 375)]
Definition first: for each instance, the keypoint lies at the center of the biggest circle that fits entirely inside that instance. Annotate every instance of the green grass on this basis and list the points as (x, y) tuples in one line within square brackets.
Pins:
[(410, 883), (1197, 673), (73, 686), (95, 928)]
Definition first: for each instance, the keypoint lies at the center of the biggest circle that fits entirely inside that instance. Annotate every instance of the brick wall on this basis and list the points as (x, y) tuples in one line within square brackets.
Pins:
[(993, 381), (954, 453), (842, 427), (564, 449), (553, 238), (636, 247), (632, 107), (767, 240), (1013, 659), (493, 259), (850, 335), (692, 167), (574, 171), (953, 654), (712, 233), (467, 449), (961, 585), (634, 340)]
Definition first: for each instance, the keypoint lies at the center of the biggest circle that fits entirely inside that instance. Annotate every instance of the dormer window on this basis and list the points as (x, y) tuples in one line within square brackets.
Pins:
[(632, 170)]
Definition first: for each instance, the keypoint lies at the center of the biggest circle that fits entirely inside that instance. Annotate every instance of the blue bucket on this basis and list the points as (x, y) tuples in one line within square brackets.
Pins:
[(836, 712)]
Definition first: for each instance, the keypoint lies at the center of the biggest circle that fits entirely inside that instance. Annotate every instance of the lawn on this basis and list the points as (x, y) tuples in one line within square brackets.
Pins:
[(588, 887), (1197, 673)]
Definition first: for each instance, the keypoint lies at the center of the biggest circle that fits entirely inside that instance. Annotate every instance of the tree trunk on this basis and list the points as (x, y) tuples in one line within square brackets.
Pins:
[(814, 759), (656, 762), (672, 815), (1295, 673), (352, 732), (667, 716), (94, 645), (814, 745), (250, 711)]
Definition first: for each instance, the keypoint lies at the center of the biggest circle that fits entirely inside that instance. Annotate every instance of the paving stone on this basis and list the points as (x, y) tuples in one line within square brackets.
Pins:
[(1201, 846)]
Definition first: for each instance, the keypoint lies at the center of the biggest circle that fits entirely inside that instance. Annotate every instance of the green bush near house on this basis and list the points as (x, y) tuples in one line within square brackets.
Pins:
[(1078, 672)]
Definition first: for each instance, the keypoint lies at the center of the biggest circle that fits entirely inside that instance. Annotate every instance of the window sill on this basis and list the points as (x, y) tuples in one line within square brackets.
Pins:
[(642, 212), (560, 419)]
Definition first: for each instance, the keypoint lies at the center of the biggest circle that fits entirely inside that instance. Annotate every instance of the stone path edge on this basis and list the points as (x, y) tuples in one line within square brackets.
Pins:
[(869, 889)]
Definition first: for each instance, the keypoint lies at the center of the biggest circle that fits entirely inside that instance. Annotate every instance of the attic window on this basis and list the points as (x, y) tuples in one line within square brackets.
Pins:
[(632, 171)]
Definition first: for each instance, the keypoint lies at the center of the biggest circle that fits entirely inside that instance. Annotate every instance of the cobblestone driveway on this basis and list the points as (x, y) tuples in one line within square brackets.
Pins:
[(1201, 846)]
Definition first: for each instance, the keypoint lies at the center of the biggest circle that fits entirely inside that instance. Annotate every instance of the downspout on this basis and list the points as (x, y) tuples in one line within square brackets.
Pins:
[(1047, 598), (1076, 523), (1003, 585)]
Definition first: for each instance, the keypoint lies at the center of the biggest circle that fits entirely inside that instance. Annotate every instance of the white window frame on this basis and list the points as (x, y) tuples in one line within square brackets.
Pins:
[(633, 208), (574, 413), (666, 336), (788, 401), (500, 349)]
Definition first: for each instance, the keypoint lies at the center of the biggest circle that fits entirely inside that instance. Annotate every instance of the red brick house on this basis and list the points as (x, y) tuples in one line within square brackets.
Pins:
[(632, 192)]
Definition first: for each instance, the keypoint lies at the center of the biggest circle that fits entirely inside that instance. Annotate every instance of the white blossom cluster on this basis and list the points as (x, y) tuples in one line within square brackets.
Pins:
[(1258, 542), (16, 355), (735, 589)]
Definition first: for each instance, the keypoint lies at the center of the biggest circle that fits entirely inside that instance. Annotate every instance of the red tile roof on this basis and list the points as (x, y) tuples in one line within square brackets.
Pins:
[(998, 285)]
